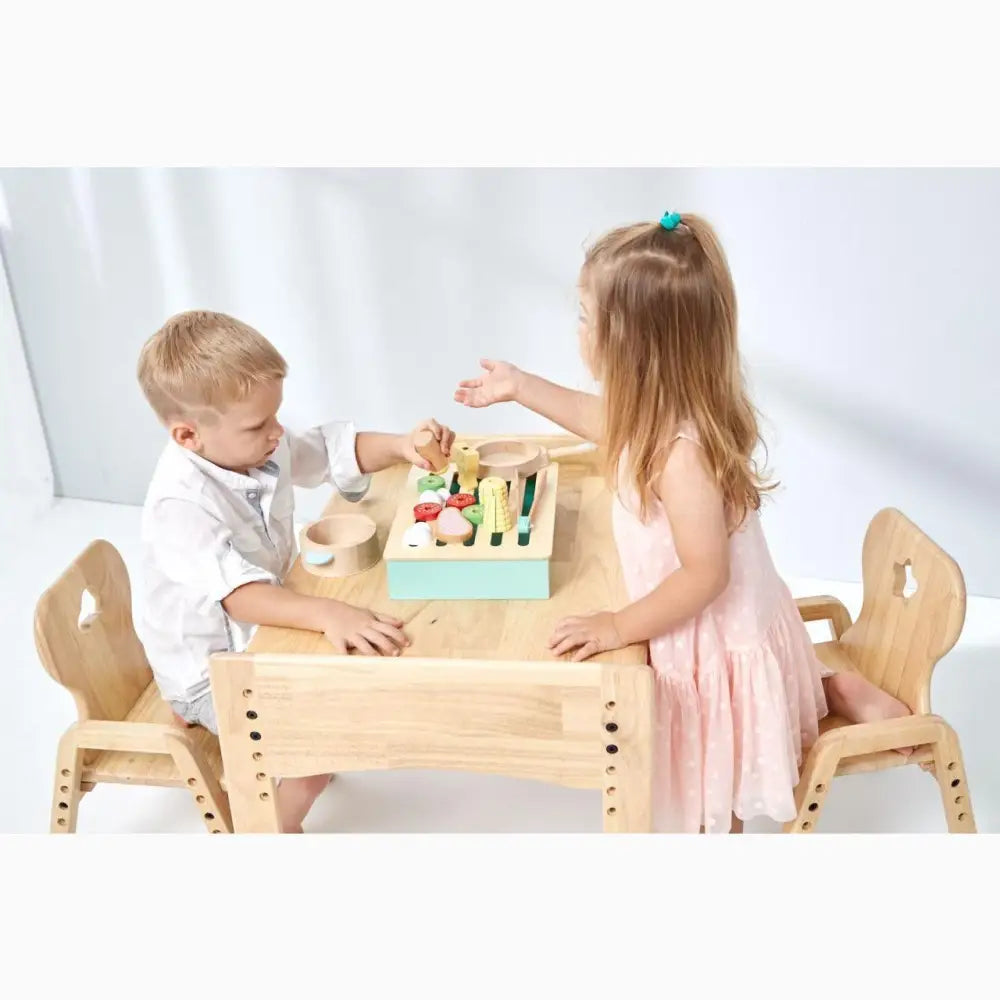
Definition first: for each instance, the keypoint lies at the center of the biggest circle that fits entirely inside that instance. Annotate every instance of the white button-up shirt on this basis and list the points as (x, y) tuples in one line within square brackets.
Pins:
[(207, 531)]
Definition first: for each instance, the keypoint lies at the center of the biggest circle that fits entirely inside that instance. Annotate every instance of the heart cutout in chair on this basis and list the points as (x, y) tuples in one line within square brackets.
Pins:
[(88, 611), (904, 582)]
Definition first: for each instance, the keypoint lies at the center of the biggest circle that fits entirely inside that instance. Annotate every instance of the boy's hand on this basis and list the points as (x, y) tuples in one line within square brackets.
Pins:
[(587, 635), (498, 385), (408, 452), (367, 632)]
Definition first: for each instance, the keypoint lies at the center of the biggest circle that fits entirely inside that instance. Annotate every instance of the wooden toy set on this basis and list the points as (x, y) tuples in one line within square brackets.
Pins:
[(480, 527)]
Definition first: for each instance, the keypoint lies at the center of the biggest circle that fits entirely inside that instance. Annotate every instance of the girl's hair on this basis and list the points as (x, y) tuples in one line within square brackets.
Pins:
[(663, 343)]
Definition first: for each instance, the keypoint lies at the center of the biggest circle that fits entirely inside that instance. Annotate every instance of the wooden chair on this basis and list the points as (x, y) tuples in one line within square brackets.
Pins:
[(125, 733), (896, 642), (583, 725)]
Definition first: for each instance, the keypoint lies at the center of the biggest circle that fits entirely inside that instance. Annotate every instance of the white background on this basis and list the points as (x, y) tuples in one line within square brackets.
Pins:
[(869, 306), (775, 82), (26, 481)]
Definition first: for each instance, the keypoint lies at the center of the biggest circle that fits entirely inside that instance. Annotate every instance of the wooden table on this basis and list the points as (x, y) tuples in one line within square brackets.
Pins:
[(514, 707)]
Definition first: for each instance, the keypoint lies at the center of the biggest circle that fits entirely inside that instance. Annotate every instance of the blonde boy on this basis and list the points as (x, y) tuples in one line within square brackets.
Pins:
[(217, 522)]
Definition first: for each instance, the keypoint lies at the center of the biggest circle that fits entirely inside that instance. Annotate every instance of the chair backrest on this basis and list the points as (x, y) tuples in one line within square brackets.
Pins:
[(99, 658), (899, 636)]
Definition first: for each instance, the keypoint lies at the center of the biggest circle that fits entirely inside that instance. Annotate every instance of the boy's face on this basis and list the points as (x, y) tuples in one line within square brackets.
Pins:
[(242, 437)]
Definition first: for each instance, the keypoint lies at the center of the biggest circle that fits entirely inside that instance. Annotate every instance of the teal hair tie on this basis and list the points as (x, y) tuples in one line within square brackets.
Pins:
[(670, 220)]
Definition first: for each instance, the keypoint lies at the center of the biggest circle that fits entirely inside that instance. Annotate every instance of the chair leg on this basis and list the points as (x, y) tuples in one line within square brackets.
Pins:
[(66, 792), (949, 770), (814, 783), (210, 800)]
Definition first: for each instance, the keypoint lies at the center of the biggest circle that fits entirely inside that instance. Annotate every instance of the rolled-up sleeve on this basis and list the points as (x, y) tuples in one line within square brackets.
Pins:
[(193, 548), (327, 454)]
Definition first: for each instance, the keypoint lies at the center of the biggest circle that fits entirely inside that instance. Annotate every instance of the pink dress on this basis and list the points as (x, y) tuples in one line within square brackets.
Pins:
[(738, 688)]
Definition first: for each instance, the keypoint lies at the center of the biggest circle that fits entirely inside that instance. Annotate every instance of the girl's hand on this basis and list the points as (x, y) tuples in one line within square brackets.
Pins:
[(499, 385), (587, 635), (408, 451)]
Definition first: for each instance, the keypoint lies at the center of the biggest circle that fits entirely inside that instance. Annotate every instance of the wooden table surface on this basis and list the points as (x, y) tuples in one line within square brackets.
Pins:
[(585, 577)]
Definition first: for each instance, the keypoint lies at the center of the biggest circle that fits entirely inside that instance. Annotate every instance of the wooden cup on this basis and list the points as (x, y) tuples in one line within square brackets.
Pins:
[(339, 545)]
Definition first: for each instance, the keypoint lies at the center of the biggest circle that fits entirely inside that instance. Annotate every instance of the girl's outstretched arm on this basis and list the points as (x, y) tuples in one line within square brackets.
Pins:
[(578, 412)]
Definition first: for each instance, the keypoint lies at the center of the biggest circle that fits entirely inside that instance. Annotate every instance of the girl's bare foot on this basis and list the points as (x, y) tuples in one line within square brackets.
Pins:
[(855, 698)]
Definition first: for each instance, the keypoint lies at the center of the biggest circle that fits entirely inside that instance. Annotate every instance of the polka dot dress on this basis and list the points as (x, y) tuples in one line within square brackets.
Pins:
[(739, 689)]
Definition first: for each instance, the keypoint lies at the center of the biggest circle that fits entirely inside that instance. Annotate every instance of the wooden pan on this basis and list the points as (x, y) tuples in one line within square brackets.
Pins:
[(509, 459)]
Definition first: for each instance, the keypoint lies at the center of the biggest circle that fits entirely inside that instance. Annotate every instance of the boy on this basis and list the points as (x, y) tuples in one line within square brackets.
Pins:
[(217, 524)]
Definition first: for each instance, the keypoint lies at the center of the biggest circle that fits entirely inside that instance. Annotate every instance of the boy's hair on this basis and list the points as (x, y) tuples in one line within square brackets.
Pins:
[(200, 362), (664, 347)]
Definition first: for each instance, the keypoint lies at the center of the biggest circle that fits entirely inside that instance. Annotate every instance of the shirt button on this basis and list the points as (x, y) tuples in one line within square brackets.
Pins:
[(251, 495)]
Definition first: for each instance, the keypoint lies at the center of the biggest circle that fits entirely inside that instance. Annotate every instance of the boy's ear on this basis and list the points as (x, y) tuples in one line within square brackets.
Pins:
[(185, 434)]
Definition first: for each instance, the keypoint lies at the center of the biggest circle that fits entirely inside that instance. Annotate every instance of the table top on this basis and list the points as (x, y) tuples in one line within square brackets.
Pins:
[(585, 577)]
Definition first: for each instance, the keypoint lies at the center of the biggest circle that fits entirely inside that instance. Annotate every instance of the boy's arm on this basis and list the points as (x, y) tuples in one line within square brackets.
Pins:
[(338, 454), (345, 626), (376, 451), (379, 451), (195, 549), (268, 604), (328, 454)]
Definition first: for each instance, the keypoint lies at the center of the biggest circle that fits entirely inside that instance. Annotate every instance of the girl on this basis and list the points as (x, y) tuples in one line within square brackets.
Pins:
[(739, 690)]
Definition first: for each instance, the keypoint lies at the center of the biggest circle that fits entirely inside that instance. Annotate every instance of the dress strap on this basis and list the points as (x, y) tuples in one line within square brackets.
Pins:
[(688, 431)]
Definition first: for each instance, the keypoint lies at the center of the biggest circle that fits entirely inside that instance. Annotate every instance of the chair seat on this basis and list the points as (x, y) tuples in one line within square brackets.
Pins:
[(878, 761), (832, 655), (126, 768)]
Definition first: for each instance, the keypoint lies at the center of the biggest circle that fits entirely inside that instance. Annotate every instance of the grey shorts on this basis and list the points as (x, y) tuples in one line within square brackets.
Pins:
[(200, 712)]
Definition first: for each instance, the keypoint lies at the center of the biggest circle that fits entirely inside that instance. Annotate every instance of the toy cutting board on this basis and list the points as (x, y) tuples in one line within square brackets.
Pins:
[(503, 566)]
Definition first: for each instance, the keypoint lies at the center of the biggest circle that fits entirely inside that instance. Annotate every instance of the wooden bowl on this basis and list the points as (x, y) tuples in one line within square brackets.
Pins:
[(511, 458), (339, 545)]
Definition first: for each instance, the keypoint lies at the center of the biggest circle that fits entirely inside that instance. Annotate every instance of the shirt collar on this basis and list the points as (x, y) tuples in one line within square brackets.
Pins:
[(234, 480)]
